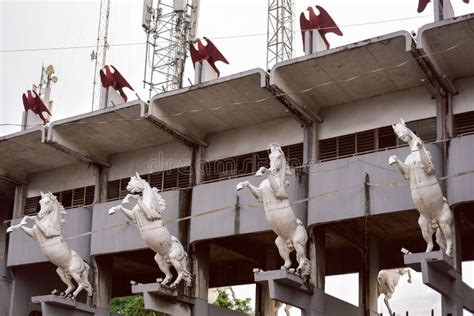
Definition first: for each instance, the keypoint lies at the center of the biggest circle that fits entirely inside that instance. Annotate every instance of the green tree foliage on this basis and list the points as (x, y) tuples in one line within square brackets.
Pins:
[(131, 306), (233, 303)]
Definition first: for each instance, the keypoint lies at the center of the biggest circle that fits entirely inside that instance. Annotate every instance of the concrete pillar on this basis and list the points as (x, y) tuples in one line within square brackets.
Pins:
[(200, 270), (100, 193), (264, 305), (102, 266), (368, 280), (197, 165), (19, 203), (318, 257), (310, 143), (457, 241)]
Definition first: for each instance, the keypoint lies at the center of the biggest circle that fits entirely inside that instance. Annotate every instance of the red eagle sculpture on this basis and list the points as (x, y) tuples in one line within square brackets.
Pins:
[(114, 80), (208, 52), (35, 104), (322, 22), (423, 3)]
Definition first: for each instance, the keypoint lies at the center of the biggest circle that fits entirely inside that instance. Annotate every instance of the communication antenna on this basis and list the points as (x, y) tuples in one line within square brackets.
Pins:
[(279, 31), (44, 87), (169, 26), (100, 53)]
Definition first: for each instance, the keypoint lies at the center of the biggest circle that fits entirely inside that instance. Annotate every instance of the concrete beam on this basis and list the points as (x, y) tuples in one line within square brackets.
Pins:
[(303, 114), (439, 274), (184, 138), (13, 180), (57, 141)]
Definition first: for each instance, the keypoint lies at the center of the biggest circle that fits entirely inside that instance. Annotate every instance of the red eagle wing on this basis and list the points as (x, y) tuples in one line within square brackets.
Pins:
[(214, 54), (39, 105), (103, 79), (120, 80), (25, 102), (326, 23), (304, 26), (195, 55), (422, 5)]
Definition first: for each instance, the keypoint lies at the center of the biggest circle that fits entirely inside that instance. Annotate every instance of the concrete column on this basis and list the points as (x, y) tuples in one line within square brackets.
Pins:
[(200, 270), (102, 266), (457, 241), (19, 203), (318, 257), (310, 143), (197, 165), (264, 305), (368, 280), (100, 193)]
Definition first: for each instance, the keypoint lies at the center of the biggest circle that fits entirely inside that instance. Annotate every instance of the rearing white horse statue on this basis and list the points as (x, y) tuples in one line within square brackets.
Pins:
[(147, 215), (272, 192), (47, 233), (435, 214), (387, 282)]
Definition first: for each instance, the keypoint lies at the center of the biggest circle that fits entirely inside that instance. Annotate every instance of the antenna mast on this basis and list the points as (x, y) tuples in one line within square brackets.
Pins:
[(279, 31), (169, 26), (100, 52)]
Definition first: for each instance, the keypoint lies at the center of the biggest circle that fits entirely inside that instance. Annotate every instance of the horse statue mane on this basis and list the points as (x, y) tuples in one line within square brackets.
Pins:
[(58, 211), (159, 204)]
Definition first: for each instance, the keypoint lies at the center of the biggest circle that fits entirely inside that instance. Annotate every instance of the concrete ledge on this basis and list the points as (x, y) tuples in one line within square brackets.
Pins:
[(53, 305), (155, 288)]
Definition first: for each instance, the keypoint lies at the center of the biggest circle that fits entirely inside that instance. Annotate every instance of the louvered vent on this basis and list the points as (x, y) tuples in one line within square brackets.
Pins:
[(90, 191), (346, 145), (170, 180), (244, 164), (464, 123), (113, 190), (295, 155), (386, 137), (32, 205), (65, 198), (365, 141), (328, 148), (156, 180), (78, 197), (184, 177), (427, 129)]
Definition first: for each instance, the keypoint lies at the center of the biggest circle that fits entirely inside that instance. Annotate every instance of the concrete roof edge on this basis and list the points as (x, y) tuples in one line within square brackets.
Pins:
[(250, 72), (456, 19), (389, 36), (94, 113), (40, 129)]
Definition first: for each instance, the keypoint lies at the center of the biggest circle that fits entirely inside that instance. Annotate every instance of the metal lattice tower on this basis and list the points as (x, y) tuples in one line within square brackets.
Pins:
[(172, 24), (100, 53), (279, 31)]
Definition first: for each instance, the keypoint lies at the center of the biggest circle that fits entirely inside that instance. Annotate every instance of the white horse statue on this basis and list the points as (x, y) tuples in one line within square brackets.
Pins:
[(47, 233), (435, 214), (272, 192), (147, 216), (388, 281)]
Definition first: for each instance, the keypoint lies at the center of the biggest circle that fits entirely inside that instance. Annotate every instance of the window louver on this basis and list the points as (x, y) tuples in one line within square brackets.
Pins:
[(32, 205), (463, 123)]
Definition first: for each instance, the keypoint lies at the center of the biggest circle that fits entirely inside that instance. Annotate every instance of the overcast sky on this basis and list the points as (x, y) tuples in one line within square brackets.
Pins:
[(238, 28)]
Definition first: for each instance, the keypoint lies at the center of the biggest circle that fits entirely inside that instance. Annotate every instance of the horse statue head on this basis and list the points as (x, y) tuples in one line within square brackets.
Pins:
[(137, 185), (278, 164), (406, 134), (52, 211)]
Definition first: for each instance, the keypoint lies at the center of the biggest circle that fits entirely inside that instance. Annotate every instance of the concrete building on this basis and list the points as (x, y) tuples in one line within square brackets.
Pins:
[(331, 112)]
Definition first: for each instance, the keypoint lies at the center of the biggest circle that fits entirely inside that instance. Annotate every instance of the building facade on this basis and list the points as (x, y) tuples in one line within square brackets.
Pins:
[(332, 114)]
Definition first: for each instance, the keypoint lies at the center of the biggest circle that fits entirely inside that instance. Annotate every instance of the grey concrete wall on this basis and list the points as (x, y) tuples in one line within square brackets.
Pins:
[(347, 176), (125, 238), (24, 250), (337, 307), (220, 194), (5, 288), (461, 188), (34, 280)]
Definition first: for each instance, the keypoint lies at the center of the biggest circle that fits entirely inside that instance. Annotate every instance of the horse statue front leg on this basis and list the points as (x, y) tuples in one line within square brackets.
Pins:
[(401, 166), (128, 213), (22, 225), (256, 192)]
